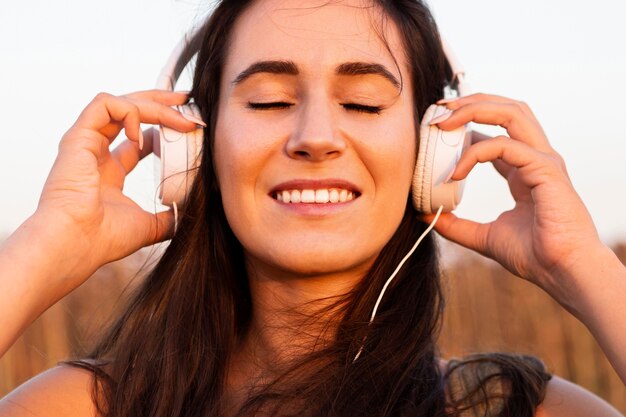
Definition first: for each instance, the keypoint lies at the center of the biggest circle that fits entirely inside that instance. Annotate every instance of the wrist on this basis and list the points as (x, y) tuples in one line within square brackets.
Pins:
[(33, 276), (47, 248), (593, 279), (596, 298)]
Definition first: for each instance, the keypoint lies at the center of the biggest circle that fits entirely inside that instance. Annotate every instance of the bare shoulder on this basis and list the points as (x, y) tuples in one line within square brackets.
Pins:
[(61, 391), (565, 399)]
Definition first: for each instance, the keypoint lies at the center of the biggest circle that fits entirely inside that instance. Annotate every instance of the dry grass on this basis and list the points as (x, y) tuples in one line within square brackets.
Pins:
[(487, 310)]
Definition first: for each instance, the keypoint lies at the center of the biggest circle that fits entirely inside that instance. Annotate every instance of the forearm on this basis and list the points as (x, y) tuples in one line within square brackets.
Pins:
[(31, 277), (599, 301)]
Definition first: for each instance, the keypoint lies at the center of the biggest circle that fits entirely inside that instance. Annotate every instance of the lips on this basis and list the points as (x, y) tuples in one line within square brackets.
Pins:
[(315, 192)]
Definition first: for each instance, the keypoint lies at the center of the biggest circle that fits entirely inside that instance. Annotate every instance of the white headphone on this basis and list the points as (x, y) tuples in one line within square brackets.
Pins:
[(438, 150)]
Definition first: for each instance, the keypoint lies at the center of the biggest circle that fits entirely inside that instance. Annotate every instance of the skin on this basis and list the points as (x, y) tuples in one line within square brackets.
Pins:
[(83, 219), (294, 255)]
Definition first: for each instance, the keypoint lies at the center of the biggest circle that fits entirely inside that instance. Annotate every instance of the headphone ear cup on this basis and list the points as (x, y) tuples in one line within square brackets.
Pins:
[(180, 158), (422, 175), (438, 153)]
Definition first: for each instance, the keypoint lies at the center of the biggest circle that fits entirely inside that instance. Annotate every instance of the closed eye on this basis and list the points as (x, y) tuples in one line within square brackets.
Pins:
[(284, 105), (269, 106), (362, 108)]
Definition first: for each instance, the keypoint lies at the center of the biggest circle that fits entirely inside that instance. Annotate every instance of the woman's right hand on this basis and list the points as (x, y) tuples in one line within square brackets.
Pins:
[(82, 200)]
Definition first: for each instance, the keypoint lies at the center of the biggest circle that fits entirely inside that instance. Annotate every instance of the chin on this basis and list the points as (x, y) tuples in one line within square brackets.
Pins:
[(303, 262)]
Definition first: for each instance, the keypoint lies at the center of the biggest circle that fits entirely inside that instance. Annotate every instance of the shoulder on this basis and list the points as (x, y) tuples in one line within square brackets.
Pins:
[(565, 399), (61, 391), (499, 376)]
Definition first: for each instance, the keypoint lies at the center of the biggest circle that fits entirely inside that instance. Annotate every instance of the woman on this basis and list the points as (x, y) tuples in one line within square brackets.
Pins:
[(260, 306)]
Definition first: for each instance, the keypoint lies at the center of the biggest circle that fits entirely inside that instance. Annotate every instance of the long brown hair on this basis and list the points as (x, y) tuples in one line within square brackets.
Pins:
[(167, 354)]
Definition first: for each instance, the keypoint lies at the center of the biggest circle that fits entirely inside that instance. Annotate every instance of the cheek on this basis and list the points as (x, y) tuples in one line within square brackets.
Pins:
[(388, 151), (238, 153), (233, 165), (242, 151)]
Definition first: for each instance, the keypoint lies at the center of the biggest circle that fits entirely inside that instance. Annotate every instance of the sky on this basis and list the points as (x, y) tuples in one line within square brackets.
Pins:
[(563, 58)]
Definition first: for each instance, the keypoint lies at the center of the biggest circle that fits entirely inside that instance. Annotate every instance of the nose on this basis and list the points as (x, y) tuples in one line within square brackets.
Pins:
[(315, 137)]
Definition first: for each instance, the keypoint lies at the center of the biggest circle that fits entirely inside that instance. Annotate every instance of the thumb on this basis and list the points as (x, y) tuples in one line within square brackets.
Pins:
[(467, 233), (162, 227)]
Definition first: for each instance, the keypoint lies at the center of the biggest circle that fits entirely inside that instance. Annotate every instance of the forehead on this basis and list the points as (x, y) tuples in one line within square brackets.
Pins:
[(317, 34)]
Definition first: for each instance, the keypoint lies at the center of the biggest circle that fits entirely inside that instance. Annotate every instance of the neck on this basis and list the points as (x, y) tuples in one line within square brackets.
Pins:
[(293, 315)]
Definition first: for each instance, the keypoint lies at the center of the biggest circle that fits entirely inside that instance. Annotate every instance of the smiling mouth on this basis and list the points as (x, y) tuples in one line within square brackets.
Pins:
[(319, 196)]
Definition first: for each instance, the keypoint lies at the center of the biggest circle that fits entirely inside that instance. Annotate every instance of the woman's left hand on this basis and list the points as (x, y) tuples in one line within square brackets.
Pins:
[(549, 232)]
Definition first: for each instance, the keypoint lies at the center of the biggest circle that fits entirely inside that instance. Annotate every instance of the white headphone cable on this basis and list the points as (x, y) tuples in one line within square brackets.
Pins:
[(393, 275), (175, 206)]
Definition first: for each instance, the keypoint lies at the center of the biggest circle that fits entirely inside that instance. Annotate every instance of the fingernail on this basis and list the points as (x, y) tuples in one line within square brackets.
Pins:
[(140, 139), (441, 118), (447, 100), (193, 118)]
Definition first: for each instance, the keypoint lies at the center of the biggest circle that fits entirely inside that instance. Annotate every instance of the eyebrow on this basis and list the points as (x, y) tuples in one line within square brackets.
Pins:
[(362, 68), (272, 67), (290, 68)]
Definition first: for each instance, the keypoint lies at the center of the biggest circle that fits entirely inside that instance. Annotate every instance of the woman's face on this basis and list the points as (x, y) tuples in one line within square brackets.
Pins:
[(315, 140)]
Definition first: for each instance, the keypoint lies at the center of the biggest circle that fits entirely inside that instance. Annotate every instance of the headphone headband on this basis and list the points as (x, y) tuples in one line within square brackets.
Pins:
[(458, 72), (174, 66)]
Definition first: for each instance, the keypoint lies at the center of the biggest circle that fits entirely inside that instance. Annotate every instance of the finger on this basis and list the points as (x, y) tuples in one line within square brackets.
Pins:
[(169, 98), (128, 153), (107, 113), (455, 103), (503, 168), (155, 113), (507, 115), (152, 113), (535, 167), (149, 137), (467, 233), (161, 227)]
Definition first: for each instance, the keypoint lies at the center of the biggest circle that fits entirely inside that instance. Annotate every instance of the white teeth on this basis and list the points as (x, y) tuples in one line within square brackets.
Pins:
[(322, 196), (295, 196), (307, 196)]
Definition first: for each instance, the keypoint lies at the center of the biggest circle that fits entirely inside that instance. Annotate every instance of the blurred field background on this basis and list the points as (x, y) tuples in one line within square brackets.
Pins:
[(487, 310)]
